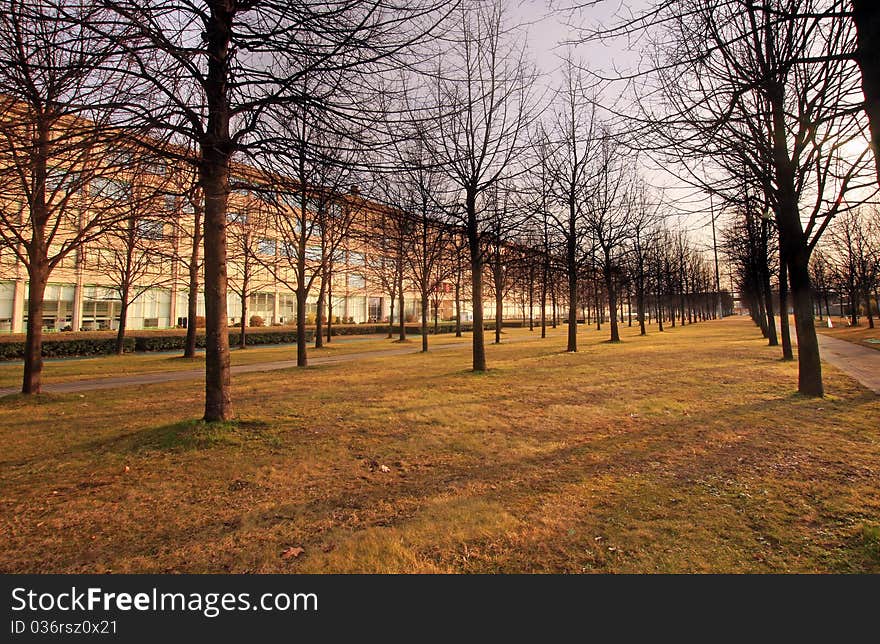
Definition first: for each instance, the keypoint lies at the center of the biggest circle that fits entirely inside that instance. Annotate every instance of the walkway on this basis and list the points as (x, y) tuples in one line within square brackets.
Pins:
[(856, 361), (137, 380)]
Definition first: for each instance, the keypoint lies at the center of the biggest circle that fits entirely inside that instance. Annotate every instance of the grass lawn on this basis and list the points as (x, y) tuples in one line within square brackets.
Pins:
[(856, 334), (70, 369), (680, 452)]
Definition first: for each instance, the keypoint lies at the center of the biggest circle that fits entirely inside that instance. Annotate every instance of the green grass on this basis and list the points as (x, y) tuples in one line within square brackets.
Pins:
[(684, 451)]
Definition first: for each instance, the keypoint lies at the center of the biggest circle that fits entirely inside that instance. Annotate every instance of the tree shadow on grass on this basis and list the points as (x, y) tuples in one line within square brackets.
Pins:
[(193, 434)]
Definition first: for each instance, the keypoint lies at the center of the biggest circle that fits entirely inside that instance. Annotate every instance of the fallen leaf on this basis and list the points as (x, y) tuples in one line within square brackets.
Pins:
[(292, 552)]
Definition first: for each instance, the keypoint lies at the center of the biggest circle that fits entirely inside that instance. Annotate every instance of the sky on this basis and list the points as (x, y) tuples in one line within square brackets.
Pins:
[(550, 30), (548, 27)]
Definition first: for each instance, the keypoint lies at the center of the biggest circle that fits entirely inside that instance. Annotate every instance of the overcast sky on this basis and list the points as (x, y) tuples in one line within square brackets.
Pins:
[(549, 27)]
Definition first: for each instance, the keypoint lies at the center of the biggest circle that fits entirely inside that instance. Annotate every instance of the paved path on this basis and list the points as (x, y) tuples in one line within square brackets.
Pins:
[(856, 361), (136, 380)]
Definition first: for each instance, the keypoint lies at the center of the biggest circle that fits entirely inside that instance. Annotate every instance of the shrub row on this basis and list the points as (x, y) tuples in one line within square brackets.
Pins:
[(153, 341), (95, 343), (66, 348)]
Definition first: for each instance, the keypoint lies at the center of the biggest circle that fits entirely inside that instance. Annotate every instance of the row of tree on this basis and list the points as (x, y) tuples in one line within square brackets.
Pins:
[(432, 108), (847, 266)]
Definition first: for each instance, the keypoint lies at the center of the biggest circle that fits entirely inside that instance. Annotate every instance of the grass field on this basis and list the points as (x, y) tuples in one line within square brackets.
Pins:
[(70, 369), (856, 334), (679, 452)]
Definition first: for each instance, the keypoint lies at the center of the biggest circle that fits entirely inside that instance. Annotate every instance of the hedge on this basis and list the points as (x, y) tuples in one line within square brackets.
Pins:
[(153, 341), (104, 343), (66, 348)]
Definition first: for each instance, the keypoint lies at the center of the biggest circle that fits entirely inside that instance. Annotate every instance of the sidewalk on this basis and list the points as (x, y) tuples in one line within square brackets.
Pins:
[(199, 374), (135, 380), (860, 363)]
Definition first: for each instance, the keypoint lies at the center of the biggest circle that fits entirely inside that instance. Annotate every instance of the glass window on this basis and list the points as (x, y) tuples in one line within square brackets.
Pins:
[(155, 167), (355, 259), (356, 280), (236, 217), (59, 178), (288, 249), (266, 247), (108, 188), (69, 258), (150, 228)]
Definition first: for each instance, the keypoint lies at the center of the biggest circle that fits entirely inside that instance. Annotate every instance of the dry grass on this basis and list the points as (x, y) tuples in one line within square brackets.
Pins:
[(71, 369), (680, 452), (855, 334)]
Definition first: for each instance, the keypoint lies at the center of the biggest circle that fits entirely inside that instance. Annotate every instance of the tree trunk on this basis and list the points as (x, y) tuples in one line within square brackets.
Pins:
[(809, 365), (612, 301), (216, 150), (532, 298), (571, 260), (866, 15), (192, 304), (499, 309), (544, 301), (854, 306), (554, 305), (629, 308), (330, 305), (424, 327), (302, 358), (242, 340), (391, 313), (659, 304), (478, 341), (773, 341), (458, 307), (640, 305), (33, 344), (794, 247), (402, 331), (123, 314), (867, 296), (319, 314), (783, 310)]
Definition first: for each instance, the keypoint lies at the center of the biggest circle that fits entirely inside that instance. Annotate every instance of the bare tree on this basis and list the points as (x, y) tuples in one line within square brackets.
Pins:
[(426, 236), (219, 69), (575, 144), (188, 225), (481, 106), (766, 93), (134, 254), (337, 219), (388, 232), (608, 217), (854, 245), (252, 250), (821, 278), (60, 164), (644, 219)]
